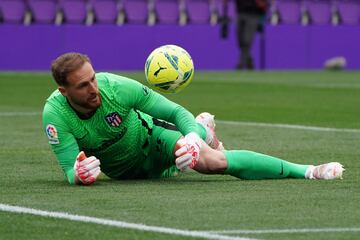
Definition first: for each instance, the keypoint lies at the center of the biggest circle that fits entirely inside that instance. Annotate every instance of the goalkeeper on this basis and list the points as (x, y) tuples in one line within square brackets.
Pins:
[(101, 122)]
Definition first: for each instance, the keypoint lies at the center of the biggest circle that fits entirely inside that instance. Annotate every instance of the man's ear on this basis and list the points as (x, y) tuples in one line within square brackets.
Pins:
[(62, 90)]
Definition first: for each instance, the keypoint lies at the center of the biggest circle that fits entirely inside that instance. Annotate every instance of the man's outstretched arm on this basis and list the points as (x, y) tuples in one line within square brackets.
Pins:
[(138, 96)]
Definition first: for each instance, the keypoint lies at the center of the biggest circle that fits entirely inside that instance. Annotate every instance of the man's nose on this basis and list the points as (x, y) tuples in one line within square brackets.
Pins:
[(92, 86)]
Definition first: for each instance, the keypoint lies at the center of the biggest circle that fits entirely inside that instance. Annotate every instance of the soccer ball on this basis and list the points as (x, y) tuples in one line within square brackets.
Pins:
[(169, 69)]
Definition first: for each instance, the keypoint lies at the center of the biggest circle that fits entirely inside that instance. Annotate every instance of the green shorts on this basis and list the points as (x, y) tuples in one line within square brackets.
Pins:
[(160, 161)]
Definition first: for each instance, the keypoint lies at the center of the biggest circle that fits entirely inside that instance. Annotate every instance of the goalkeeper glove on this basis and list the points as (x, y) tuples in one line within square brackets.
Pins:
[(86, 169), (188, 153)]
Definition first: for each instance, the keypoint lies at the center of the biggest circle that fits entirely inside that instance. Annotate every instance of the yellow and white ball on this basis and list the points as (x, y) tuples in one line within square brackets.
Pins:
[(169, 69)]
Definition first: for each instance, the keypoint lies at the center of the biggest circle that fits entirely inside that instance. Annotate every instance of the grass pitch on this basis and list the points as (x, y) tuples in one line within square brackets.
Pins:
[(303, 209)]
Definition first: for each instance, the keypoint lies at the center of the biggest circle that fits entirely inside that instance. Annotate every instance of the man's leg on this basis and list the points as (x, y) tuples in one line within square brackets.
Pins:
[(240, 26), (251, 165), (161, 160), (170, 172), (247, 164)]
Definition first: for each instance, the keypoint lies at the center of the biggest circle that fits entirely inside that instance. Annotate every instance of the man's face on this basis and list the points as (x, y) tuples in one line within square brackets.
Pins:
[(82, 90)]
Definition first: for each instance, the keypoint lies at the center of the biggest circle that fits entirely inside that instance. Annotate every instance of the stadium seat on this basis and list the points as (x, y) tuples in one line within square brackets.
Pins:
[(289, 10), (349, 11), (44, 11), (13, 11), (167, 11), (106, 11), (198, 11), (320, 11), (231, 9), (75, 11), (136, 11)]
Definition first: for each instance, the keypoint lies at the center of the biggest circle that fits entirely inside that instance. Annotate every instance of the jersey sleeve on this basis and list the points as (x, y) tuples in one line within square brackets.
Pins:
[(139, 96), (61, 140)]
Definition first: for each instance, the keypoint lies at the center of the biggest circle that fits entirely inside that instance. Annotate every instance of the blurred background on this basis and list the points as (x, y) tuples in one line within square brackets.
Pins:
[(120, 34)]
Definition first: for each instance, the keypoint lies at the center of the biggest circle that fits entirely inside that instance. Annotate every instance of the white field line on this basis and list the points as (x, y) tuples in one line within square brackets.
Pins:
[(119, 224), (291, 230), (290, 126), (236, 123), (18, 114)]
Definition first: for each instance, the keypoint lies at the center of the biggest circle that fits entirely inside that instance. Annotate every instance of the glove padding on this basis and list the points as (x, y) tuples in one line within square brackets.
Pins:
[(188, 153), (86, 169)]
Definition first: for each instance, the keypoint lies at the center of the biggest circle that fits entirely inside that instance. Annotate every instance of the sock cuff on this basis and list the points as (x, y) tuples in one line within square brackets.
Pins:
[(228, 155)]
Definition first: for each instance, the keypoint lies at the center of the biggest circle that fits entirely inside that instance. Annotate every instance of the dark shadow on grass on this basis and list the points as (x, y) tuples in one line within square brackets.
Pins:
[(179, 180), (108, 181)]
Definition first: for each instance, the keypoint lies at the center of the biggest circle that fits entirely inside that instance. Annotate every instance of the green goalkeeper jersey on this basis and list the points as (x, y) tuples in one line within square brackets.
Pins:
[(118, 132)]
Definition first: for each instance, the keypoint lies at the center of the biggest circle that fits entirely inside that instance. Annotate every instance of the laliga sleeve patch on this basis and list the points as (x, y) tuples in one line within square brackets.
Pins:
[(52, 134)]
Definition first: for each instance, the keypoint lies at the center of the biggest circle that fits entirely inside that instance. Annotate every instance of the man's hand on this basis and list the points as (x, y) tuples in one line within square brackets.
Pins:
[(188, 153), (86, 169)]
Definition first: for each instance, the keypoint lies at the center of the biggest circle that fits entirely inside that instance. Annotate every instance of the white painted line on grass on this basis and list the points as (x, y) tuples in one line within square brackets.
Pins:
[(291, 230), (236, 123), (119, 224), (18, 114), (300, 127)]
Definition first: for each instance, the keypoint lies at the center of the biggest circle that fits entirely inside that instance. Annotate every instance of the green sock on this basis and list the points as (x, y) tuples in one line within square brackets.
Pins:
[(251, 165)]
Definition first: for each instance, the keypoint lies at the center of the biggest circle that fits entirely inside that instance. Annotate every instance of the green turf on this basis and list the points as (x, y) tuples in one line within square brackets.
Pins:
[(32, 178)]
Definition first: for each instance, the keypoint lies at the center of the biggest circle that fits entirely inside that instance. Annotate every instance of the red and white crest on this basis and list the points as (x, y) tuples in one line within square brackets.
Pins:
[(113, 119)]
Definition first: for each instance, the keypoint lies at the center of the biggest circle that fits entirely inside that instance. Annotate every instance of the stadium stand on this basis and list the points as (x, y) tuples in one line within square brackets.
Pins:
[(136, 11), (230, 11), (13, 11), (167, 11), (198, 11), (290, 11), (286, 44), (106, 11), (349, 11), (43, 11), (75, 11), (320, 11)]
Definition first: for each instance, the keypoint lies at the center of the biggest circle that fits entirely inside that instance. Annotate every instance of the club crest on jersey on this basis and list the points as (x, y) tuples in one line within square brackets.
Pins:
[(113, 119), (52, 134)]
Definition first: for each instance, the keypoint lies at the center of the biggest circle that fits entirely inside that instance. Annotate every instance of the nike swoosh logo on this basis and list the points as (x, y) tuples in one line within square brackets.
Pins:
[(282, 168), (80, 138)]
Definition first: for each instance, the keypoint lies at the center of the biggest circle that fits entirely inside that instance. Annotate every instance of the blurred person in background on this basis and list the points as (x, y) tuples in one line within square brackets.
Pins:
[(251, 15)]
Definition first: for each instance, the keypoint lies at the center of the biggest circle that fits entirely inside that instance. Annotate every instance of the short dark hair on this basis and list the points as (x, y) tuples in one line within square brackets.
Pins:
[(65, 64)]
